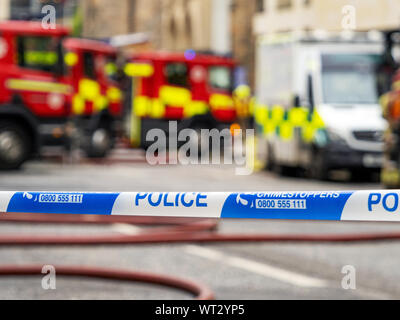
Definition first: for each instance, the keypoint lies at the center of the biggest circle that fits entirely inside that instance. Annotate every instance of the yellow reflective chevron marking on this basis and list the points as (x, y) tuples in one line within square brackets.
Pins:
[(282, 123), (269, 128), (195, 108), (308, 133), (139, 70), (136, 121), (311, 127), (140, 105), (221, 101), (100, 103), (78, 104), (114, 94), (71, 59), (175, 96), (157, 109), (317, 121), (89, 89), (39, 86), (261, 114), (297, 116), (286, 130), (277, 114), (110, 68), (178, 97)]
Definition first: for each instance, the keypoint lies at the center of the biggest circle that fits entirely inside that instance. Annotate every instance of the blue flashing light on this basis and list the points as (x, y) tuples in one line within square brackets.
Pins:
[(190, 54)]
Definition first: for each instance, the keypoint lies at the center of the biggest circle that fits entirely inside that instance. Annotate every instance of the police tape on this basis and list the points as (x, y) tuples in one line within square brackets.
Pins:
[(299, 205)]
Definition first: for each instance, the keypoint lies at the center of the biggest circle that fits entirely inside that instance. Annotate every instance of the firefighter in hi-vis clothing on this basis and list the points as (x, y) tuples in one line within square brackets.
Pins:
[(391, 111)]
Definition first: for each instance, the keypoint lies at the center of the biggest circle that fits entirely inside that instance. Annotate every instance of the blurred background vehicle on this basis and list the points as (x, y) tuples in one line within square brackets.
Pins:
[(44, 98), (97, 98), (316, 77), (33, 90), (196, 90), (318, 109)]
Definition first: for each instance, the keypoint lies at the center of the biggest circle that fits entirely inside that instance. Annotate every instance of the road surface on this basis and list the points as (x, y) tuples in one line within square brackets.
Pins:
[(232, 271)]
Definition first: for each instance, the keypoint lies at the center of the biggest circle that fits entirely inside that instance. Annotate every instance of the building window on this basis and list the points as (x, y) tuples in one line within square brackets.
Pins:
[(177, 74), (20, 9), (284, 4), (32, 10), (260, 6)]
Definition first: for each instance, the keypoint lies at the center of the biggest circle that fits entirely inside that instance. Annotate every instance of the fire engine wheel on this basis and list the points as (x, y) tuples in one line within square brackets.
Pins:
[(14, 145), (100, 143), (198, 139)]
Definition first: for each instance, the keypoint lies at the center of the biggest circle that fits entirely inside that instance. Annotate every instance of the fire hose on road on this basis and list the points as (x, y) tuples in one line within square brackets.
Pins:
[(164, 226), (189, 230)]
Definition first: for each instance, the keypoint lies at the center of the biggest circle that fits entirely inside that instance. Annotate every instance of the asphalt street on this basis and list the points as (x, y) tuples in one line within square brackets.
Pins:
[(232, 271)]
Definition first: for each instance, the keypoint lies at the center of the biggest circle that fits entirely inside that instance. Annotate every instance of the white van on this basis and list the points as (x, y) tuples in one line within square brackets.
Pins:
[(317, 102)]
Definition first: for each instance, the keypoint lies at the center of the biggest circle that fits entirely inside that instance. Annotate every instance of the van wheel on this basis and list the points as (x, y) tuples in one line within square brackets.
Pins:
[(318, 168), (280, 170), (271, 165), (15, 145), (364, 175)]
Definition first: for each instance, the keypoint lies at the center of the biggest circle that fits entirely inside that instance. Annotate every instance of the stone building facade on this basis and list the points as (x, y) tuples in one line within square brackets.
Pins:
[(330, 15)]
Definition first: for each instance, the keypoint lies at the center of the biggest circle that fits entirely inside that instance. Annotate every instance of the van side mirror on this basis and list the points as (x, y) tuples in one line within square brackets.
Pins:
[(310, 93)]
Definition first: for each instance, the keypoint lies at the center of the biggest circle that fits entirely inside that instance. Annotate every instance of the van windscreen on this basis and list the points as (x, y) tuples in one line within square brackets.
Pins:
[(350, 78)]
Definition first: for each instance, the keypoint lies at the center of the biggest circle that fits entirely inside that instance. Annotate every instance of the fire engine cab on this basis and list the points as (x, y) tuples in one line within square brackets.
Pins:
[(96, 99), (44, 80), (196, 90), (33, 88)]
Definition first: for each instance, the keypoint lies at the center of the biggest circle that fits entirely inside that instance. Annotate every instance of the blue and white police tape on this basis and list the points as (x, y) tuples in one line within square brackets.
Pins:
[(317, 205)]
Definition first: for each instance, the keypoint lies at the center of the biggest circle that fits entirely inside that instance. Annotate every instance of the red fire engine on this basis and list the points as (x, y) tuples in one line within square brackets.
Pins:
[(196, 90), (96, 98), (43, 78)]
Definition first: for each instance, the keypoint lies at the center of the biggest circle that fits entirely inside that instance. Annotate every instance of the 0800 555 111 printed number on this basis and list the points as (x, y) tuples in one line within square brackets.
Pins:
[(60, 198), (281, 204)]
